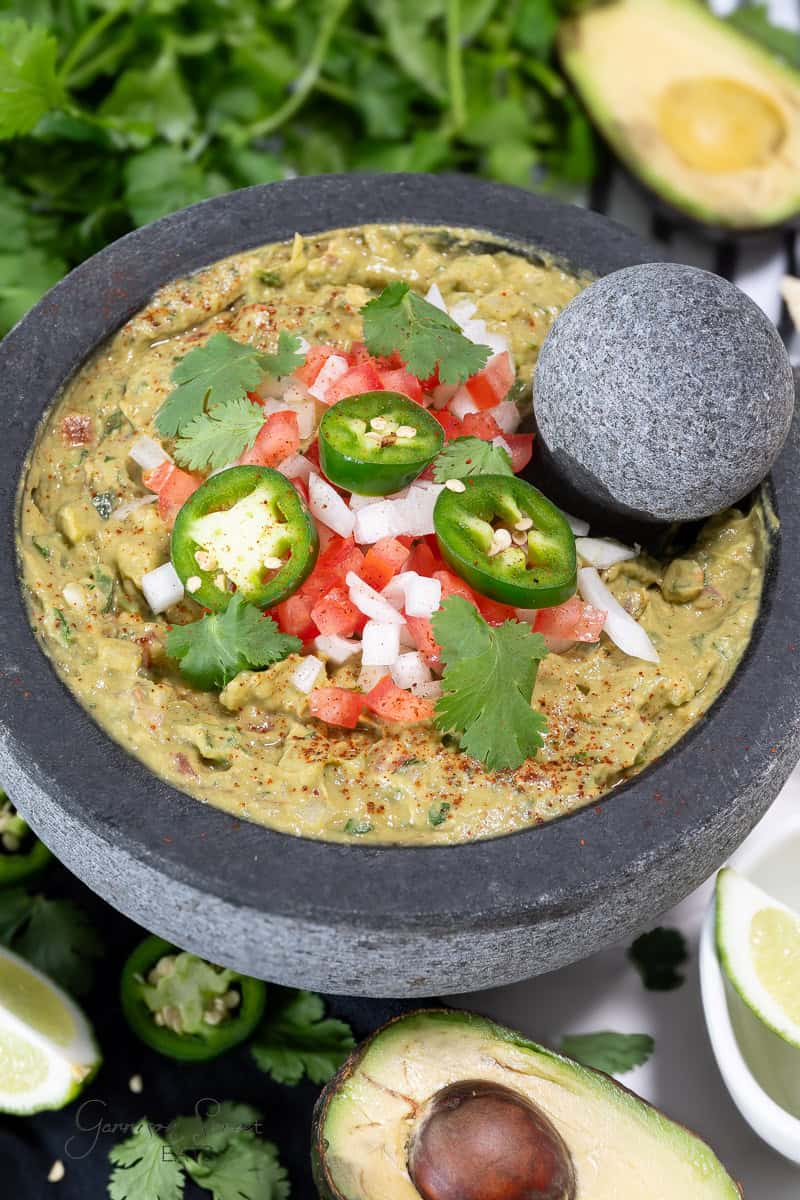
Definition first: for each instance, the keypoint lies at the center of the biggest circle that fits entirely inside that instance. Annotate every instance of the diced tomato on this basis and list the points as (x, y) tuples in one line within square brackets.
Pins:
[(173, 488), (449, 422), (421, 630), (337, 706), (312, 454), (76, 429), (572, 620), (432, 381), (402, 381), (277, 438), (336, 613), (521, 446), (480, 425), (424, 560), (316, 358), (294, 617), (382, 562), (300, 486), (339, 556), (393, 704), (492, 611), (358, 353), (452, 585), (491, 384), (363, 377)]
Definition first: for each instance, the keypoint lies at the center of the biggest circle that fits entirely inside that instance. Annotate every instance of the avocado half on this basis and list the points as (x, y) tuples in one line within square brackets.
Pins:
[(703, 116), (447, 1105)]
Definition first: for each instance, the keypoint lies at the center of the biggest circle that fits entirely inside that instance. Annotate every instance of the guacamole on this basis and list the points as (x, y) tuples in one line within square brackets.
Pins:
[(88, 537)]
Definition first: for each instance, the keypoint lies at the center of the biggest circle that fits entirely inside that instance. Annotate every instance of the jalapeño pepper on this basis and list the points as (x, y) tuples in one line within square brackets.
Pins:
[(377, 443), (507, 541), (185, 1007), (22, 855), (246, 526)]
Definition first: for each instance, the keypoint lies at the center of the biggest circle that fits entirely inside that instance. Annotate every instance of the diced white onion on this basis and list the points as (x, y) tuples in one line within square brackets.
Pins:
[(275, 404), (371, 603), (304, 345), (475, 330), (332, 369), (406, 639), (462, 310), (357, 501), (497, 342), (435, 297), (380, 644), (603, 552), (527, 615), (411, 670), (428, 691), (306, 673), (442, 394), (306, 418), (462, 403), (162, 587), (386, 518), (74, 595), (131, 506), (335, 648), (296, 466), (295, 392), (578, 526), (620, 626), (507, 415), (395, 590), (328, 506), (500, 443), (148, 454), (368, 677), (423, 596), (420, 503)]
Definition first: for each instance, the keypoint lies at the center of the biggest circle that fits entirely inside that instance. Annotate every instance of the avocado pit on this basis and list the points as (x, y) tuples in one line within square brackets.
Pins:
[(483, 1141)]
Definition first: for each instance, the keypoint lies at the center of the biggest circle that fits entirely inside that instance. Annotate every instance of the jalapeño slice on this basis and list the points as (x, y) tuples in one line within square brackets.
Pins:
[(246, 527), (22, 855), (507, 541), (377, 443), (185, 1007)]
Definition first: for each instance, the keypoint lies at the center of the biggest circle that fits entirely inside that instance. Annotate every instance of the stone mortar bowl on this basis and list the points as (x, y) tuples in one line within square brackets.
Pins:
[(394, 921)]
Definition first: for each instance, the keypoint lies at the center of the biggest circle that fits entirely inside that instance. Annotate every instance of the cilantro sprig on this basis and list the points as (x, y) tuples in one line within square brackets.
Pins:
[(466, 456), (54, 935), (219, 1150), (424, 336), (614, 1053), (658, 956), (297, 1040), (208, 408), (488, 684), (216, 648)]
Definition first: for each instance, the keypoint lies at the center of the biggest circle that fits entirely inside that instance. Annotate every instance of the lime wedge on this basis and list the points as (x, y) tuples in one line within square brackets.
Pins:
[(758, 943), (47, 1049)]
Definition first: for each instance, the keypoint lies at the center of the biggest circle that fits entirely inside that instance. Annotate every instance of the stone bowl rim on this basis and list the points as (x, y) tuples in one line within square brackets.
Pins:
[(741, 749)]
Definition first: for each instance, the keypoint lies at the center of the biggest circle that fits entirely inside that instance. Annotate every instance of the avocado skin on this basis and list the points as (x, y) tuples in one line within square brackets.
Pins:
[(323, 1181), (670, 201)]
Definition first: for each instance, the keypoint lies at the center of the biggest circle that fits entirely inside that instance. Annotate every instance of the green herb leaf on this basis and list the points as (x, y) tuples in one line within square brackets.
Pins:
[(219, 436), (286, 359), (63, 626), (152, 100), (423, 335), (216, 648), (357, 827), (488, 685), (144, 1168), (103, 503), (212, 1132), (437, 813), (657, 956), (614, 1053), (753, 20), (58, 938), (471, 456), (163, 178), (218, 372), (296, 1039), (30, 83), (247, 1169)]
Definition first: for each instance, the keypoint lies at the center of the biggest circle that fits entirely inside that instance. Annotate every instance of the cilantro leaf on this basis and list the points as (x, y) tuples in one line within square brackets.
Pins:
[(657, 955), (219, 374), (219, 436), (212, 1132), (471, 456), (30, 84), (247, 1169), (54, 935), (614, 1053), (296, 1039), (423, 335), (152, 99), (214, 649), (144, 1169), (753, 20), (488, 685), (163, 178)]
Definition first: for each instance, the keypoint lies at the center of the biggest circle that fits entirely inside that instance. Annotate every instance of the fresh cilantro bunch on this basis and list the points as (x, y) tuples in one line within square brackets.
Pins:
[(209, 410), (614, 1053), (488, 682), (214, 649), (219, 1151), (296, 1039), (54, 935), (425, 337), (466, 456), (113, 114)]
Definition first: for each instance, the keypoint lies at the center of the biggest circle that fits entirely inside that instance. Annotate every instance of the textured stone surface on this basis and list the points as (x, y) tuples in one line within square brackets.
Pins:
[(664, 392)]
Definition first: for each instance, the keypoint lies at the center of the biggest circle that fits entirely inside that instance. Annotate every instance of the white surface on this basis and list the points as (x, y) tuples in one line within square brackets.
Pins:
[(606, 992)]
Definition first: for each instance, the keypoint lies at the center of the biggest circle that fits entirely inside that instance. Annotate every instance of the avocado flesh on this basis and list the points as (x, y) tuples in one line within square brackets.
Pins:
[(704, 116), (621, 1147)]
